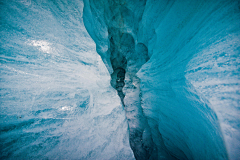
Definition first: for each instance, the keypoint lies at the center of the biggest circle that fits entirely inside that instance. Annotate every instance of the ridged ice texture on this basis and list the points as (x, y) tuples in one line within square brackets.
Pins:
[(56, 100), (190, 85)]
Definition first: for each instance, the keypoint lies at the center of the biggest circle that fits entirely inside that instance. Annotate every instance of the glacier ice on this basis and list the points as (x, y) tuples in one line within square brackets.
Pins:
[(117, 79), (56, 97), (193, 48)]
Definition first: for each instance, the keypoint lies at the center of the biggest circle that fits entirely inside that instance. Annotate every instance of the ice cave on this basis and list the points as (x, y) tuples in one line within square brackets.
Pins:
[(120, 79)]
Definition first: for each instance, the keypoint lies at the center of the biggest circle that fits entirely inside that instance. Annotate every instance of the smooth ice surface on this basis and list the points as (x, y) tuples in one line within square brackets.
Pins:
[(56, 99)]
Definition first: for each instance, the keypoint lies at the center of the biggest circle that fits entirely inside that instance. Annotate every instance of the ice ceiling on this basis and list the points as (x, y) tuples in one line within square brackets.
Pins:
[(118, 79)]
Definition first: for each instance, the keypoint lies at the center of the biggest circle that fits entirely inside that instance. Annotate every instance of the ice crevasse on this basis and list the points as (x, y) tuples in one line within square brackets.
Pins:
[(173, 64), (118, 79)]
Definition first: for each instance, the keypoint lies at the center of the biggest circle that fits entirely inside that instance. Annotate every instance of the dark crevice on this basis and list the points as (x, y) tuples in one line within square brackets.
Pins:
[(117, 82), (126, 60), (127, 56)]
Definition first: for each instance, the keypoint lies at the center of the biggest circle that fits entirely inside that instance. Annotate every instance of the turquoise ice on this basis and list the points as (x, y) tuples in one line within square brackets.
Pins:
[(118, 79)]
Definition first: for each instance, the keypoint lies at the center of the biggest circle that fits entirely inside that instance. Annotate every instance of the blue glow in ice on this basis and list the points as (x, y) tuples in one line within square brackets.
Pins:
[(115, 79)]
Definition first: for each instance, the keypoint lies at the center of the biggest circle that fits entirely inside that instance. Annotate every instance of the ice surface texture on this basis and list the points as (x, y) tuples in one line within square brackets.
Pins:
[(154, 79), (56, 97), (184, 100)]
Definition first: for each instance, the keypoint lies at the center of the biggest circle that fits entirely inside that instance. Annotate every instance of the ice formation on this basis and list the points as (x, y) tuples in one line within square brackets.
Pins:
[(118, 79)]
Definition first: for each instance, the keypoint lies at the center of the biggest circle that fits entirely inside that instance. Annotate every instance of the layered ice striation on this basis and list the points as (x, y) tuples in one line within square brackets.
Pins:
[(119, 79), (167, 61), (56, 98)]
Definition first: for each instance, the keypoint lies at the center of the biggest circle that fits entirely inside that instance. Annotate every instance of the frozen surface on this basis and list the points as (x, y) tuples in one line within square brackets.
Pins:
[(114, 79), (189, 88), (56, 99)]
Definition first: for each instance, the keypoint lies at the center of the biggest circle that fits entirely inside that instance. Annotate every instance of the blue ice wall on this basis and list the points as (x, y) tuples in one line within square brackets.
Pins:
[(181, 83), (56, 99), (190, 85), (196, 50)]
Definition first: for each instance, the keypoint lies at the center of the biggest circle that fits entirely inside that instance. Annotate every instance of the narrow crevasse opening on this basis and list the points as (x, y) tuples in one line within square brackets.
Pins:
[(167, 111), (126, 60), (124, 56), (117, 82)]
